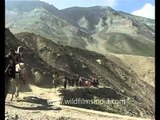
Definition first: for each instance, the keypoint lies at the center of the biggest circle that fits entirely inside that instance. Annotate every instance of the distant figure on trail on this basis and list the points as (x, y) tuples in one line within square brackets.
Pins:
[(80, 81), (69, 82), (65, 82), (72, 82), (53, 81), (95, 82), (56, 80), (88, 83), (9, 69), (77, 79)]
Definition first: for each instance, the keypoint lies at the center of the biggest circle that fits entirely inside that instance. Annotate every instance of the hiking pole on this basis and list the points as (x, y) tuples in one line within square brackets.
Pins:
[(7, 68)]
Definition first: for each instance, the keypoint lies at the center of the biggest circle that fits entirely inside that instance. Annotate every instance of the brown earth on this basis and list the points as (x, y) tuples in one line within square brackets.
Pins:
[(143, 66), (15, 108)]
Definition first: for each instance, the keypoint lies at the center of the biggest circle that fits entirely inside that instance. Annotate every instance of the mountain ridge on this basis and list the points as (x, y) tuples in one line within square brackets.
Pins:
[(86, 27), (86, 41), (43, 57)]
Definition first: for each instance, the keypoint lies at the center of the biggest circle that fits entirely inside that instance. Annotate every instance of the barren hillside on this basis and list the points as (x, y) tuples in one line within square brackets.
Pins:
[(143, 66), (117, 79)]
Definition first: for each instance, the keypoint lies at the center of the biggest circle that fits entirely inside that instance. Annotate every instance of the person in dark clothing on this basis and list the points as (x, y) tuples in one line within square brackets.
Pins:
[(96, 82), (56, 79), (65, 82), (10, 63), (80, 81), (69, 81), (72, 82), (77, 79), (93, 81)]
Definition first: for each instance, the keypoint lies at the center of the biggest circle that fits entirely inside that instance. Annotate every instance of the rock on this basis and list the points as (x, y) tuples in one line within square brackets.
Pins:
[(122, 91), (16, 116), (99, 61), (6, 118)]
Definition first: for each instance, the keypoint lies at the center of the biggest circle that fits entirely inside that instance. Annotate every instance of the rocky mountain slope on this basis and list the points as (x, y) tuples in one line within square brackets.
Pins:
[(88, 28), (16, 9), (143, 66), (117, 80), (42, 22), (98, 17), (36, 67)]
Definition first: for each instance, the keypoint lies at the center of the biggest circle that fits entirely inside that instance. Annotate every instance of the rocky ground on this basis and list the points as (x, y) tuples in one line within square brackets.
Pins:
[(143, 66), (23, 110)]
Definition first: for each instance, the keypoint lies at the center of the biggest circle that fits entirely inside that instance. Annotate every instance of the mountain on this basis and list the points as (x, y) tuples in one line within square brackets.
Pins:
[(85, 17), (16, 9), (98, 27), (116, 47), (43, 57), (42, 22), (115, 31), (107, 17)]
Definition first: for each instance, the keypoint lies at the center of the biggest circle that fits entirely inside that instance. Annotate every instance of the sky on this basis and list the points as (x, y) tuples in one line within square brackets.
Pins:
[(144, 8)]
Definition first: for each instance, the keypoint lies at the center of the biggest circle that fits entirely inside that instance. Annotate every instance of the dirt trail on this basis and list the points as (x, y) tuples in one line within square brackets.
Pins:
[(66, 112)]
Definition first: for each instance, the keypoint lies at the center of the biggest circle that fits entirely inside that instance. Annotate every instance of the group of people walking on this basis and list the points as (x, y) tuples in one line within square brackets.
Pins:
[(74, 81), (14, 60)]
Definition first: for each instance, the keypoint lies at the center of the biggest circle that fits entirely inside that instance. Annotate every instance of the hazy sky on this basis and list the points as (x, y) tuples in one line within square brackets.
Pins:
[(144, 8)]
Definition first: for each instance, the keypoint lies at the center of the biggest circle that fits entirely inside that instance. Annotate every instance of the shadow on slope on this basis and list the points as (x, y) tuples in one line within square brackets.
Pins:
[(93, 98)]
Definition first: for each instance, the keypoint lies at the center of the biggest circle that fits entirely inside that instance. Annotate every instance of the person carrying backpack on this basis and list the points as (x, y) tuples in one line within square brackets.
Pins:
[(20, 61), (19, 53), (10, 63)]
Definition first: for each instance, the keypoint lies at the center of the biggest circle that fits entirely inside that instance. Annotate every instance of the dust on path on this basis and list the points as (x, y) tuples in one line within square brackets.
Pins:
[(67, 112)]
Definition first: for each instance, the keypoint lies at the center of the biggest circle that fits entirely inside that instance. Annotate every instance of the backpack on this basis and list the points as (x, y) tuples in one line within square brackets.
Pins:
[(19, 57), (9, 67)]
